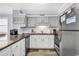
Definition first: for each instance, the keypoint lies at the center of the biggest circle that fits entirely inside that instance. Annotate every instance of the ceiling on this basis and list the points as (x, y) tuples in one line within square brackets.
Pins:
[(35, 8)]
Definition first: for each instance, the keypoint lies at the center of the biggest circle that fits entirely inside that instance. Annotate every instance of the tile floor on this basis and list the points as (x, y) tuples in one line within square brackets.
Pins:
[(42, 53)]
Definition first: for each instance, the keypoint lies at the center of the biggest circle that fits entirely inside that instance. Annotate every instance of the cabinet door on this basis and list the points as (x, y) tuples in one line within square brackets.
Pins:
[(51, 41), (44, 41), (41, 41), (15, 49), (5, 52), (38, 41), (45, 44), (33, 41), (22, 47)]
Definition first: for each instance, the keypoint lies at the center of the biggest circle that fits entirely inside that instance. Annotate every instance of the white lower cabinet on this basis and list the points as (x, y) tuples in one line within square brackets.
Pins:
[(42, 41), (16, 49), (33, 43), (22, 47), (5, 52)]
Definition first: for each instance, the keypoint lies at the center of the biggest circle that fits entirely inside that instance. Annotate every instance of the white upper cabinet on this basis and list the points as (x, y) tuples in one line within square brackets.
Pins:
[(19, 18), (46, 21), (53, 21), (35, 21)]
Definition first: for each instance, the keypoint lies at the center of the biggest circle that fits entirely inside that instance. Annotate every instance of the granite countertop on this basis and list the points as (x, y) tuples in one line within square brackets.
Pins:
[(13, 39)]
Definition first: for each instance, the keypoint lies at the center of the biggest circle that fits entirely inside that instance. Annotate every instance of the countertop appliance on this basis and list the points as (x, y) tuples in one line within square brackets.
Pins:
[(69, 45), (14, 32)]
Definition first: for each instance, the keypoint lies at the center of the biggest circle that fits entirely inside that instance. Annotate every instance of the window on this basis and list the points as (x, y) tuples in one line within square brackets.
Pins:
[(3, 25)]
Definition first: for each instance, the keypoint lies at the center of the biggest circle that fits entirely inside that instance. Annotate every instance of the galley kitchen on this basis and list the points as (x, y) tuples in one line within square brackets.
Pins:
[(37, 29)]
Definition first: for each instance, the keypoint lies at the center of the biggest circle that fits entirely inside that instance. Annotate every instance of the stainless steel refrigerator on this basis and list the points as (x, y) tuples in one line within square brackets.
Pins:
[(69, 44)]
